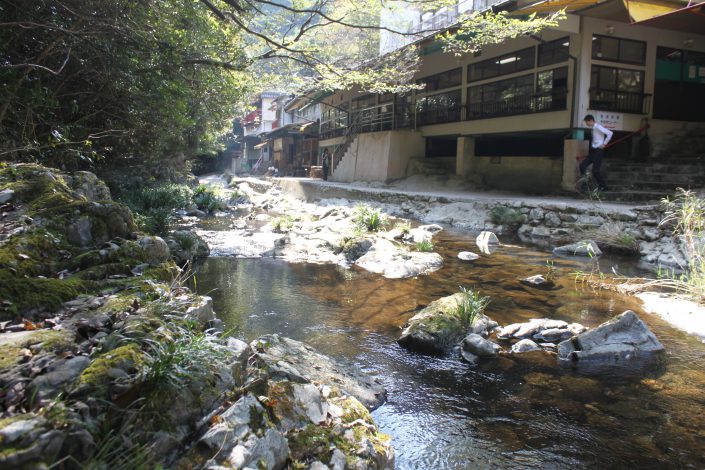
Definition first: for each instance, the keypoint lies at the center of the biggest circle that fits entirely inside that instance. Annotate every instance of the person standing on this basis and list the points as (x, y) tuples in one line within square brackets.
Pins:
[(600, 138), (325, 163)]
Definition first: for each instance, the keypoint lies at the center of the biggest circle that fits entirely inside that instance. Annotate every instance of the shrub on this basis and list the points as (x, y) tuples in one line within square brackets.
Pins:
[(503, 215), (369, 219), (470, 305)]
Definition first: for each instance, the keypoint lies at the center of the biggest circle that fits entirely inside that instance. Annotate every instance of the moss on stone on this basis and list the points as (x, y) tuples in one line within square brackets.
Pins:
[(128, 358), (51, 340), (33, 253), (29, 293)]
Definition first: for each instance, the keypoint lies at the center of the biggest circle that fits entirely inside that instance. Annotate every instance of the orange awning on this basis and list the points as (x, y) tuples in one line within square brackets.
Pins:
[(645, 10)]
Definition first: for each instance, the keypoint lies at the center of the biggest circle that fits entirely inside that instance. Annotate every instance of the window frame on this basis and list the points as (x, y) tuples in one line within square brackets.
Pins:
[(618, 59), (496, 61)]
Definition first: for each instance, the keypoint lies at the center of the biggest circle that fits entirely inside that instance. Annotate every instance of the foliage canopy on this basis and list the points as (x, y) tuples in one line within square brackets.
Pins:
[(129, 81)]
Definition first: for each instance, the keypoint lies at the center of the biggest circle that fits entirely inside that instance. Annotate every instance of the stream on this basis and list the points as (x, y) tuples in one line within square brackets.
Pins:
[(441, 413)]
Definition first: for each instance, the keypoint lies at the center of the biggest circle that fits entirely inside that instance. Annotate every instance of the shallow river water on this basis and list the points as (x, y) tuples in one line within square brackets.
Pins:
[(442, 414)]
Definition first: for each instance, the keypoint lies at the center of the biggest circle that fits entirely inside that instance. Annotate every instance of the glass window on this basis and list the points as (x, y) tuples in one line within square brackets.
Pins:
[(618, 50), (505, 64), (442, 80), (554, 52), (439, 108)]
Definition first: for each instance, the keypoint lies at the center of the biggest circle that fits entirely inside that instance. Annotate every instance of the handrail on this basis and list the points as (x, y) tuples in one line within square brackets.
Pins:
[(625, 137)]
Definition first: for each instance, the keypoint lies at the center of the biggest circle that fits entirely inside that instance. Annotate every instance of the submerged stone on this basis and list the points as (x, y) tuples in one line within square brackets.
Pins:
[(587, 248)]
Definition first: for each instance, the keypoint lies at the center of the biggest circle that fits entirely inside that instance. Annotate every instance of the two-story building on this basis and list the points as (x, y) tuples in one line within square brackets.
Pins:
[(262, 119), (511, 116)]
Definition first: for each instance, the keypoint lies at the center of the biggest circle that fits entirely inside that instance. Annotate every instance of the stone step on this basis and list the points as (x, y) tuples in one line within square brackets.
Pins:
[(666, 178), (676, 169), (660, 186), (632, 195)]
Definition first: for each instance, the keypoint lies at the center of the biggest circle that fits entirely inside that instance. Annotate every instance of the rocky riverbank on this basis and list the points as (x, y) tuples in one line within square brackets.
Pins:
[(107, 360)]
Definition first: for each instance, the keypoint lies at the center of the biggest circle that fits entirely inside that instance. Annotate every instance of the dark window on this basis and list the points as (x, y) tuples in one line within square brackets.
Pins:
[(554, 52), (436, 109), (503, 65), (501, 98), (364, 101), (552, 80), (609, 78), (679, 89), (442, 80), (618, 50), (613, 89)]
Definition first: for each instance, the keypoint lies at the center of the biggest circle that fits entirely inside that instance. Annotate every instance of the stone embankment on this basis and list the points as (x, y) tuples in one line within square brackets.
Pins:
[(108, 361), (547, 222)]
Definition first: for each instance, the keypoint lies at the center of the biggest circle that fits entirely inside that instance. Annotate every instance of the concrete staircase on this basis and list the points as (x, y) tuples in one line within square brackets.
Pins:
[(653, 180)]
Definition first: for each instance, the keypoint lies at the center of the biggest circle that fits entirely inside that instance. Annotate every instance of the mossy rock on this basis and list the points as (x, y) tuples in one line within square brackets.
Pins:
[(12, 344), (436, 328), (32, 253), (128, 358), (25, 294)]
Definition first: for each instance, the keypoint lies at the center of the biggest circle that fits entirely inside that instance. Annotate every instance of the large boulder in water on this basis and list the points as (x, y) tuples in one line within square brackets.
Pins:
[(619, 341), (438, 327)]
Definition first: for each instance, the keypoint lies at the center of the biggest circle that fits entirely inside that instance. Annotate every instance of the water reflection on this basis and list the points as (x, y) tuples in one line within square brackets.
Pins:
[(442, 414)]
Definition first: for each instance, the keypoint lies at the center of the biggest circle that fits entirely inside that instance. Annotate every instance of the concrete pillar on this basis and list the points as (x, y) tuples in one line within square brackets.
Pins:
[(464, 155), (571, 149)]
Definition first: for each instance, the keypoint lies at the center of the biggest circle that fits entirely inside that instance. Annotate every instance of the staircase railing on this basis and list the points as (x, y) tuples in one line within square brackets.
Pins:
[(351, 132)]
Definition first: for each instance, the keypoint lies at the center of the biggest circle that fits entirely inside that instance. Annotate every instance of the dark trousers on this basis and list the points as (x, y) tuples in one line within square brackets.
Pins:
[(595, 158)]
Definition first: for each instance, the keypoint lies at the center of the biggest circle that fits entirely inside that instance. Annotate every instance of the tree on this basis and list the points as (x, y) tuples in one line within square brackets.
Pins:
[(116, 81)]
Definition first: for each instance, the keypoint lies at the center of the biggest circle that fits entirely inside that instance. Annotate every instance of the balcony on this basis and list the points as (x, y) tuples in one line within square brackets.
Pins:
[(522, 104), (619, 101)]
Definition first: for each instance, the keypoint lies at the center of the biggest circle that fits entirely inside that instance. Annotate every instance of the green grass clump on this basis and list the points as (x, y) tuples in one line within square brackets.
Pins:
[(403, 227), (685, 213), (207, 199), (154, 206), (283, 224), (470, 305), (181, 354), (368, 219), (425, 246)]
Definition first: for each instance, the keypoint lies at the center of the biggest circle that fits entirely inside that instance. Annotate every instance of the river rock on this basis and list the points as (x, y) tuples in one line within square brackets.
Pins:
[(240, 353), (394, 263), (287, 359), (468, 256), (78, 232), (60, 375), (554, 335), (6, 195), (88, 185), (525, 345), (201, 309), (487, 242), (438, 328), (531, 328), (623, 339), (479, 346), (586, 248), (539, 282), (186, 246), (269, 451), (234, 424), (155, 249)]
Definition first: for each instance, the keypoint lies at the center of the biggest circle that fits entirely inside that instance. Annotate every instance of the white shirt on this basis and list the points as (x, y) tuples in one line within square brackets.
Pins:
[(600, 135)]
